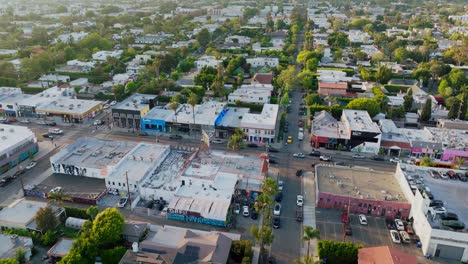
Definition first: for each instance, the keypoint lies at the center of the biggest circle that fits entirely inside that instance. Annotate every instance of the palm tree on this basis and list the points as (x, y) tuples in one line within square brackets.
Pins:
[(236, 141), (309, 234), (193, 101), (174, 106), (459, 161), (57, 197)]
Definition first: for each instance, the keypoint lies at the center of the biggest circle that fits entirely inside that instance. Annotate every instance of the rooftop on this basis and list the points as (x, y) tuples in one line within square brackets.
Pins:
[(135, 102), (61, 248), (324, 125), (10, 243), (360, 120), (232, 117), (20, 212), (68, 106), (384, 255), (93, 153), (450, 138), (453, 193), (160, 113), (263, 78), (359, 183), (264, 120), (205, 113), (137, 163), (11, 136)]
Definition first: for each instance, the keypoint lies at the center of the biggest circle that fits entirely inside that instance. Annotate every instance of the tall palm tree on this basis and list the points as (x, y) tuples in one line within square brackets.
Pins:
[(309, 234), (459, 161), (193, 101), (174, 106), (236, 141)]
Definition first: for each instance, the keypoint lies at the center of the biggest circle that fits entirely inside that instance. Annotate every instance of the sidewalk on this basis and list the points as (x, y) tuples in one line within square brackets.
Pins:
[(309, 211)]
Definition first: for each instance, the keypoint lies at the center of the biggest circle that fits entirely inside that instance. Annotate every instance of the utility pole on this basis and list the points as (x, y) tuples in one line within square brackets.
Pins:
[(460, 108), (20, 168), (128, 190)]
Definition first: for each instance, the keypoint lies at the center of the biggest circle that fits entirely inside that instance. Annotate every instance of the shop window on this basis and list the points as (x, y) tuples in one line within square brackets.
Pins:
[(119, 184)]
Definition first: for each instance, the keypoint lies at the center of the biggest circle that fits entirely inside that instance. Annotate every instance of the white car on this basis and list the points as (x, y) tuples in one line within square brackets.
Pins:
[(122, 202), (301, 130), (325, 158), (98, 122), (395, 160), (395, 236), (56, 131), (56, 190), (237, 209), (277, 209), (299, 155), (26, 121), (217, 141), (31, 165), (437, 210), (113, 103), (300, 200), (245, 211), (106, 106), (362, 219), (399, 225), (358, 156), (404, 237), (280, 185)]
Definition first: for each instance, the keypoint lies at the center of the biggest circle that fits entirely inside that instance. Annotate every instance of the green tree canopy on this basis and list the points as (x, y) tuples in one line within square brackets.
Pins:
[(45, 219), (108, 226), (203, 37), (426, 111), (383, 74), (205, 77), (95, 41), (366, 104), (311, 99), (338, 252)]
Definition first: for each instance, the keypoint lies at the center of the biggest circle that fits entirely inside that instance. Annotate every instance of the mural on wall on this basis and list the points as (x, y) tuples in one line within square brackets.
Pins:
[(194, 219), (69, 169)]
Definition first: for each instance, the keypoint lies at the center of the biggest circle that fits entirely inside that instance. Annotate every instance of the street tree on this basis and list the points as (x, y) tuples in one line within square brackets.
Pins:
[(107, 227), (45, 219), (459, 162), (193, 101), (312, 99), (285, 100), (426, 111), (453, 112), (236, 141), (174, 105), (368, 104), (92, 211), (205, 77), (262, 235), (383, 74), (408, 100), (203, 37), (309, 234)]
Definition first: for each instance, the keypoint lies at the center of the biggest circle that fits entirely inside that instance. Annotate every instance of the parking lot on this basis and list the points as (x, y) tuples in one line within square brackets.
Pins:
[(74, 186), (374, 234)]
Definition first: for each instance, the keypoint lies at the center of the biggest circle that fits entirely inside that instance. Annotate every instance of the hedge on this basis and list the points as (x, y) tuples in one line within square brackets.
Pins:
[(391, 88), (335, 110), (32, 90), (104, 97), (76, 212), (338, 252)]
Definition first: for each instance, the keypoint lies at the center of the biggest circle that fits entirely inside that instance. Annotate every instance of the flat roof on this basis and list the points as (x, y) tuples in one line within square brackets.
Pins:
[(205, 113), (453, 193), (61, 248), (233, 117), (160, 113), (11, 136), (359, 120), (140, 160), (21, 211), (265, 120), (325, 125), (451, 138), (203, 204), (135, 102), (93, 153), (68, 106), (9, 245), (247, 93), (359, 183)]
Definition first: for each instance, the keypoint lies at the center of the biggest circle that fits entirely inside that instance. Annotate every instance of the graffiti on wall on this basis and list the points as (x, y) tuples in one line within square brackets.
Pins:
[(194, 219), (69, 169)]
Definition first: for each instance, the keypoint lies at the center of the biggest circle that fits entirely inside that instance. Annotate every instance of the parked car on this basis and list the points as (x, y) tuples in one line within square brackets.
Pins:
[(444, 175), (395, 236), (390, 223), (47, 135), (277, 209), (50, 123), (175, 137), (299, 173), (457, 225), (436, 203), (434, 174), (285, 129), (217, 141), (300, 200), (272, 161), (237, 208), (405, 238), (399, 225), (315, 153), (300, 123), (254, 214), (276, 222), (378, 158), (56, 131), (452, 175), (245, 211), (98, 122), (279, 197), (143, 134), (5, 181), (325, 158), (299, 155), (280, 185), (113, 103), (358, 156), (462, 177), (449, 216), (299, 214), (437, 210), (106, 106), (18, 173), (31, 165), (362, 219), (270, 149), (395, 160), (290, 140)]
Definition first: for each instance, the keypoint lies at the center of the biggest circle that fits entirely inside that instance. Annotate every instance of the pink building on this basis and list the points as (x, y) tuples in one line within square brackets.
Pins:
[(452, 154), (364, 191)]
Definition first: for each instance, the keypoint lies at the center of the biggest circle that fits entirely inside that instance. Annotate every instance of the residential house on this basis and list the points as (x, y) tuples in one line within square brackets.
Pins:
[(11, 243), (263, 62), (103, 54)]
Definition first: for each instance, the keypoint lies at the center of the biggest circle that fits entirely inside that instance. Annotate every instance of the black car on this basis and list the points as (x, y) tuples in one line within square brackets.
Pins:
[(299, 173), (47, 135), (449, 216), (378, 158), (279, 197), (143, 134), (252, 145), (175, 137), (285, 130), (276, 222), (272, 161), (51, 123), (435, 203), (18, 173), (390, 224), (462, 177), (7, 180), (272, 150), (315, 153), (253, 214)]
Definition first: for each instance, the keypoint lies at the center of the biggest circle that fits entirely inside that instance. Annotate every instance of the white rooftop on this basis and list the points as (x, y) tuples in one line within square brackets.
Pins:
[(265, 120), (11, 136), (62, 247), (140, 160), (233, 117), (20, 213), (68, 106), (9, 245), (451, 138), (324, 125), (135, 102), (360, 120), (205, 113), (160, 113)]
